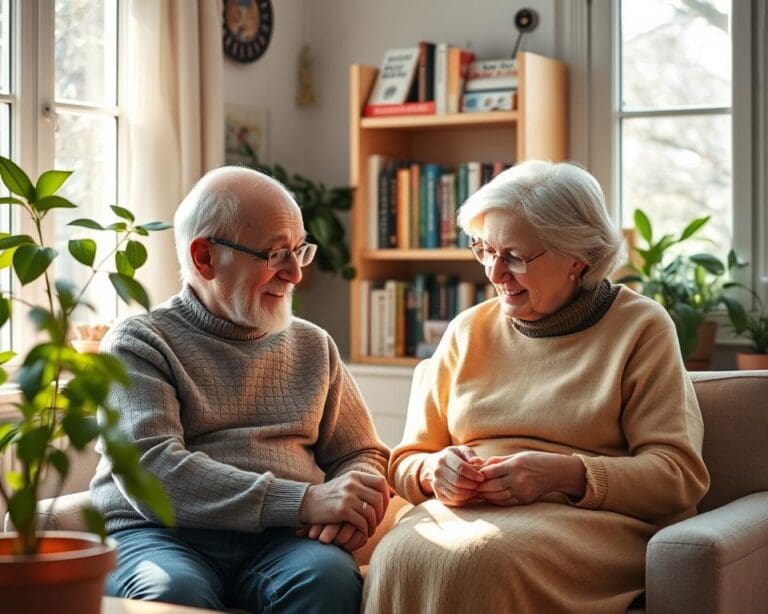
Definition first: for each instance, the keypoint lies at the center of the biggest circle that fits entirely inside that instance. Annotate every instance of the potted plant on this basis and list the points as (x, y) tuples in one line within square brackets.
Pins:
[(753, 326), (320, 207), (63, 396), (688, 287)]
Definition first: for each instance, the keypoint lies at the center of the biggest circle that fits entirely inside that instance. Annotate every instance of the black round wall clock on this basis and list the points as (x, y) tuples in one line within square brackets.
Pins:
[(247, 28)]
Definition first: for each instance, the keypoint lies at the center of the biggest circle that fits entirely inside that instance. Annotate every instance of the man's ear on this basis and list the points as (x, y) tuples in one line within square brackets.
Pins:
[(202, 258)]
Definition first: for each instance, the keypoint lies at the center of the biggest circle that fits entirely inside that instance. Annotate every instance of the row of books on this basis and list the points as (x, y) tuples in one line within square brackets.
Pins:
[(438, 78), (413, 205), (400, 318)]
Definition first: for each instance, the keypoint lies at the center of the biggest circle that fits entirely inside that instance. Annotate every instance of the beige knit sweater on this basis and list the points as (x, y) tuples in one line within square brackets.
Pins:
[(234, 425), (602, 379)]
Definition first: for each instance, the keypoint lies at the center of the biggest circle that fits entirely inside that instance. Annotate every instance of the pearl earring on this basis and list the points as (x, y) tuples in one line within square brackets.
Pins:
[(572, 277)]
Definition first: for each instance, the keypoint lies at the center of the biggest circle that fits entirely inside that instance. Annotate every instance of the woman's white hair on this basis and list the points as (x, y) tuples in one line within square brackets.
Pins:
[(566, 206), (212, 208)]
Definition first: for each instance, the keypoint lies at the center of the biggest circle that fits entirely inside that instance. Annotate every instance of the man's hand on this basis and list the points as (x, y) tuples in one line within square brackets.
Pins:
[(357, 498), (525, 477), (452, 475), (345, 536)]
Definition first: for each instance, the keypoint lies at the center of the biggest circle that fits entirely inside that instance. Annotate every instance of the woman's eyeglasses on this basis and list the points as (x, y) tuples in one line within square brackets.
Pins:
[(276, 258), (514, 264)]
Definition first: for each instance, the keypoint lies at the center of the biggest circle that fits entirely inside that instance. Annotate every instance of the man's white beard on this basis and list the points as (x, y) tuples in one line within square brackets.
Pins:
[(264, 320)]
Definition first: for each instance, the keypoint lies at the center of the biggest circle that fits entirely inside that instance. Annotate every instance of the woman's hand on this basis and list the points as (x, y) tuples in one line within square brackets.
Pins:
[(525, 477), (452, 475)]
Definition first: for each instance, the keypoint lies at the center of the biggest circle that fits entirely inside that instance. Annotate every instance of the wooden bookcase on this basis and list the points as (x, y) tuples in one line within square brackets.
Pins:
[(536, 129)]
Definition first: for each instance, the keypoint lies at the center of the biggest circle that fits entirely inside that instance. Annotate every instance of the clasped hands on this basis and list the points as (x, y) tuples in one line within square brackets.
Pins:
[(344, 511), (457, 476)]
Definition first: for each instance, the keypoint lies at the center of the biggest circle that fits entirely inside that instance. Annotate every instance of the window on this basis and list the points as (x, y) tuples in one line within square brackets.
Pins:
[(61, 58), (667, 112), (674, 116)]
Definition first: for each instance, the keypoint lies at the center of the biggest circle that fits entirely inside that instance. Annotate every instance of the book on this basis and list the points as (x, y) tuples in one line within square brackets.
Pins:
[(376, 163), (403, 207), (414, 204), (378, 319), (365, 315), (491, 75), (458, 68), (441, 77), (405, 108), (426, 72), (395, 77), (489, 100)]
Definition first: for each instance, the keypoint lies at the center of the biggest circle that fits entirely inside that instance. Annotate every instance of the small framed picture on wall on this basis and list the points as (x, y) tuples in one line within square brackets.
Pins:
[(246, 134)]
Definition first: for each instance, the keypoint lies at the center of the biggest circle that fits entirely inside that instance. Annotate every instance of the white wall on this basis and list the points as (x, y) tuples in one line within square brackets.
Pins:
[(315, 140)]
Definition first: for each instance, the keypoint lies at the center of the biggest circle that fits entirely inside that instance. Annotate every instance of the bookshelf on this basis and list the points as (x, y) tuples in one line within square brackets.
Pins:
[(536, 129)]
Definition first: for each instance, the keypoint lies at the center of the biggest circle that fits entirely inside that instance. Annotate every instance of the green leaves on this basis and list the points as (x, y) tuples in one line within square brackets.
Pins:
[(643, 226), (51, 409), (83, 250), (136, 254), (50, 182), (16, 180), (123, 213), (693, 227), (84, 222), (129, 289), (31, 261)]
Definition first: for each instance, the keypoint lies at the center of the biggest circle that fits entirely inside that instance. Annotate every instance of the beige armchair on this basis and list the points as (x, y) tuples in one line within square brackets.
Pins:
[(716, 562)]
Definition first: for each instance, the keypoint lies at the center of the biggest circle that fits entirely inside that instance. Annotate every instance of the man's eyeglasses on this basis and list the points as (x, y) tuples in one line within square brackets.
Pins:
[(276, 258), (514, 264)]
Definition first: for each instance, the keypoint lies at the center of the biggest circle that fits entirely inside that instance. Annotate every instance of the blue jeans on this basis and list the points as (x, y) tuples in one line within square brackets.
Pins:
[(273, 571)]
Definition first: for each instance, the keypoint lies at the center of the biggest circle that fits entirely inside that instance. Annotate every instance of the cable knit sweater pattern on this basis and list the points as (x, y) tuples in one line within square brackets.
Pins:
[(235, 426)]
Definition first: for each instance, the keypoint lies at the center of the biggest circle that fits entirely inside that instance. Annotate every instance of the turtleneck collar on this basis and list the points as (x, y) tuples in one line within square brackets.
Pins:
[(195, 312), (581, 313)]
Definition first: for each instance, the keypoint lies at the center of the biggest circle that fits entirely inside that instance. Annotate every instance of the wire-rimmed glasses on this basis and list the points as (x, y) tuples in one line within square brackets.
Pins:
[(276, 258), (514, 264)]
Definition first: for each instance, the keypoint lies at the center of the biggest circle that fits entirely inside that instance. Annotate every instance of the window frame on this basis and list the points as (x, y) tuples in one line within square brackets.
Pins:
[(33, 127), (590, 45)]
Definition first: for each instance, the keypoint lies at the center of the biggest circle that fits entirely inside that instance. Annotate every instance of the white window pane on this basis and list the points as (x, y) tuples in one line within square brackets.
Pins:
[(87, 145), (5, 130), (675, 53), (86, 36), (5, 46), (677, 169)]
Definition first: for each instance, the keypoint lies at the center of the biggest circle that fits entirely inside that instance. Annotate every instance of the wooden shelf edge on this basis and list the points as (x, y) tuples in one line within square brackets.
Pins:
[(444, 253), (493, 118)]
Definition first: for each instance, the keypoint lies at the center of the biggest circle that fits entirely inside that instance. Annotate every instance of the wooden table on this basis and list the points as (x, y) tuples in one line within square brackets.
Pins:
[(114, 605)]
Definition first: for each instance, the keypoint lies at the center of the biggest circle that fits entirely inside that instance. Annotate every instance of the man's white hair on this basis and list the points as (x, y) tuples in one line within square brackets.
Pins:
[(212, 208), (566, 206)]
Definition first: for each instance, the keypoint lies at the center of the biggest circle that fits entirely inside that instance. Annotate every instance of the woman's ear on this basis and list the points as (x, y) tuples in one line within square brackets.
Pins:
[(578, 267), (202, 258)]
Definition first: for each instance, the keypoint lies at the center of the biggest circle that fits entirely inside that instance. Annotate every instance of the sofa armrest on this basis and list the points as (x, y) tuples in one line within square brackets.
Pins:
[(716, 562), (64, 513)]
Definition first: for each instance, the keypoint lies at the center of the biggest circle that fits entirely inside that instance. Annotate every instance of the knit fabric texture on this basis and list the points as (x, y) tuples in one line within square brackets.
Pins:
[(235, 425)]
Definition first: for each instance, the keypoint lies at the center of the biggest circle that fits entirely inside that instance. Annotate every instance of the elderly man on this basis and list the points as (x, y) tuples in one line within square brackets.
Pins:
[(249, 418)]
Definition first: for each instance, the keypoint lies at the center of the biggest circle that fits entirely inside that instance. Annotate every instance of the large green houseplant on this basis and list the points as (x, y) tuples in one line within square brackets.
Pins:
[(63, 392), (688, 287)]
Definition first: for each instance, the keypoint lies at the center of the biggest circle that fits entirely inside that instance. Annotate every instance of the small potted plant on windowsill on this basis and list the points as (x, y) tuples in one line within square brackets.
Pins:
[(688, 287), (63, 406), (753, 326)]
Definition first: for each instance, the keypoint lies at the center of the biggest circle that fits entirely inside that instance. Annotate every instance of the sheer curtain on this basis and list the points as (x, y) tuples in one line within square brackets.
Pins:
[(174, 117)]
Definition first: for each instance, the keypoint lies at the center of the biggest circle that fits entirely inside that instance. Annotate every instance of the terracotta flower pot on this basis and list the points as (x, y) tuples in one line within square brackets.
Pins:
[(751, 360), (67, 577), (701, 357)]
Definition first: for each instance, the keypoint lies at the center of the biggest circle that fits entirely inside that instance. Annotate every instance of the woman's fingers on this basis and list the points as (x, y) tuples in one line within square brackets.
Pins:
[(344, 535)]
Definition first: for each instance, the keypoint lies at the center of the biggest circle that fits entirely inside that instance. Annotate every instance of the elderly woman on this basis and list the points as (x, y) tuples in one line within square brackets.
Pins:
[(554, 430)]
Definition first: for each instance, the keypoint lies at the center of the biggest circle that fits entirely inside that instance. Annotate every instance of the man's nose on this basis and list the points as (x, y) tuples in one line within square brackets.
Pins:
[(291, 271)]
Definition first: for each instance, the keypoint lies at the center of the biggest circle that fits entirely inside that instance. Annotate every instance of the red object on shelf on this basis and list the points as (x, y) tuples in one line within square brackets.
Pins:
[(406, 108)]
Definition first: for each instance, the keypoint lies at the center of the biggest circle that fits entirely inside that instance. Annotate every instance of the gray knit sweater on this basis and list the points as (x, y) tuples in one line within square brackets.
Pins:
[(234, 425)]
